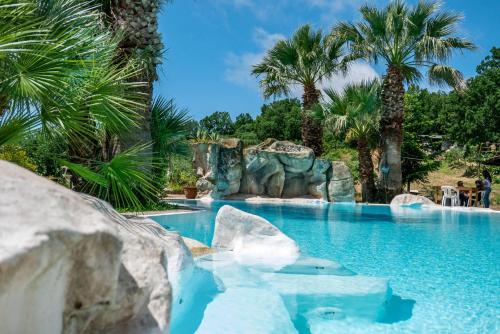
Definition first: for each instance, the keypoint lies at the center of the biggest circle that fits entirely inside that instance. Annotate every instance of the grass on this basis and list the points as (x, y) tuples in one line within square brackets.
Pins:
[(449, 176)]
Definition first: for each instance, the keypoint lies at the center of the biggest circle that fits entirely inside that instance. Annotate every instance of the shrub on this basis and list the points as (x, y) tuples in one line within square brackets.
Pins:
[(17, 155)]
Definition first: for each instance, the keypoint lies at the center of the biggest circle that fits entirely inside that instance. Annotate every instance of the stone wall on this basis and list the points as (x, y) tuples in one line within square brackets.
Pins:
[(278, 169)]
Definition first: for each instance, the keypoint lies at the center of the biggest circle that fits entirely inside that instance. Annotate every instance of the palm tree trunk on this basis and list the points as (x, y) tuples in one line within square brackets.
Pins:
[(312, 131), (368, 189), (391, 130), (137, 20)]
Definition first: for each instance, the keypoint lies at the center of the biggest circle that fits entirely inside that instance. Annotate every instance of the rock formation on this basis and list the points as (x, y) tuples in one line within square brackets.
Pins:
[(218, 166), (277, 169), (252, 238), (69, 263)]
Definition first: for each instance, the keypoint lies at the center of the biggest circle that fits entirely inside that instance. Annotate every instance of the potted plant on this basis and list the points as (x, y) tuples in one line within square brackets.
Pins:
[(188, 180)]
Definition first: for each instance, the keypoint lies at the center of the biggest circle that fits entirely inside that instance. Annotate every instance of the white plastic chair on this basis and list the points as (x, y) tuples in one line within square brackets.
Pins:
[(452, 194)]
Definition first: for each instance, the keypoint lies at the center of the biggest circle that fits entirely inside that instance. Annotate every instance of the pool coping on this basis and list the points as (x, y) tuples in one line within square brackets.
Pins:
[(192, 207)]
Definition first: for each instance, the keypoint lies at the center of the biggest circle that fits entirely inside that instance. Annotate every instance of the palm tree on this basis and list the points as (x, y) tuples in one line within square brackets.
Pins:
[(61, 74), (305, 60), (406, 38), (137, 23), (355, 114)]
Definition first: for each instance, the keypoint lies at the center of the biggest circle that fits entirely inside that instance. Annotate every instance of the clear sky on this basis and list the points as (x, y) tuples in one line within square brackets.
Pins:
[(212, 44)]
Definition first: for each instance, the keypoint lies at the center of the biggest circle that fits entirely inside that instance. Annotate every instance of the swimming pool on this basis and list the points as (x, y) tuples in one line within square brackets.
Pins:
[(444, 265)]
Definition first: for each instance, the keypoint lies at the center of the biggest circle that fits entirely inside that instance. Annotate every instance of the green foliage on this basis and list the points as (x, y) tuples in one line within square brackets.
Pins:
[(244, 124), (337, 151), (416, 164), (219, 122), (491, 62), (455, 157), (305, 59), (470, 117), (181, 175), (45, 151), (124, 181), (280, 120), (169, 130), (17, 155), (203, 136), (63, 71), (475, 114), (354, 112)]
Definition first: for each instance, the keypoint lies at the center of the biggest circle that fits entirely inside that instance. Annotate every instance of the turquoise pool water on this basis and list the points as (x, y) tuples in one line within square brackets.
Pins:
[(442, 264)]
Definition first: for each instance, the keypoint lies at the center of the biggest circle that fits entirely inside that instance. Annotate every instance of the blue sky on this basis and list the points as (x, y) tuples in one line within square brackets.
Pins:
[(211, 45)]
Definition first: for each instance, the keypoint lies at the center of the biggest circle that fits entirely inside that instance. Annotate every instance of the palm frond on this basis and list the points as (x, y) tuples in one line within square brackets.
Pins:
[(125, 181), (15, 125), (169, 128), (446, 75)]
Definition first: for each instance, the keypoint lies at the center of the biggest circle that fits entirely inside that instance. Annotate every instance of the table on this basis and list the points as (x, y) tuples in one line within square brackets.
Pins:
[(468, 190)]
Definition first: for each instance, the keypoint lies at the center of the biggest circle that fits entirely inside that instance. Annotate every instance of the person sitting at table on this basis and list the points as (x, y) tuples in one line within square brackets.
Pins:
[(464, 199)]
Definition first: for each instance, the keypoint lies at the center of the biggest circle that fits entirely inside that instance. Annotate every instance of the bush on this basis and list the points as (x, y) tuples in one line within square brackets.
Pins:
[(347, 155), (44, 152), (17, 155), (455, 157), (181, 174)]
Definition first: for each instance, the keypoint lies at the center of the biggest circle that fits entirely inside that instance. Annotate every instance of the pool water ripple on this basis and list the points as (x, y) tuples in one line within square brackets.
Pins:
[(444, 266)]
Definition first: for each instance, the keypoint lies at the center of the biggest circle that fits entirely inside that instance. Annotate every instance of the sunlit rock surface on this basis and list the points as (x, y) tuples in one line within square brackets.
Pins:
[(59, 257), (69, 263), (252, 238)]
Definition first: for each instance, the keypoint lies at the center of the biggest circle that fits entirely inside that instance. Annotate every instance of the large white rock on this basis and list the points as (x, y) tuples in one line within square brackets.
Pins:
[(410, 200), (252, 239), (153, 260), (246, 311), (59, 257), (69, 263)]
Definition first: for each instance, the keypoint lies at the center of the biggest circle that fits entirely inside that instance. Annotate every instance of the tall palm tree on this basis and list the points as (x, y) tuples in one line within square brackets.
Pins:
[(136, 21), (407, 39), (304, 60), (354, 113)]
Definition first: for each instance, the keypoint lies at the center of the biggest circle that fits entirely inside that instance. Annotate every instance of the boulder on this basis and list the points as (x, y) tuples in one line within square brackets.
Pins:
[(318, 179), (59, 257), (218, 166), (410, 200), (295, 185), (252, 239), (341, 184), (154, 261), (71, 264), (263, 174)]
